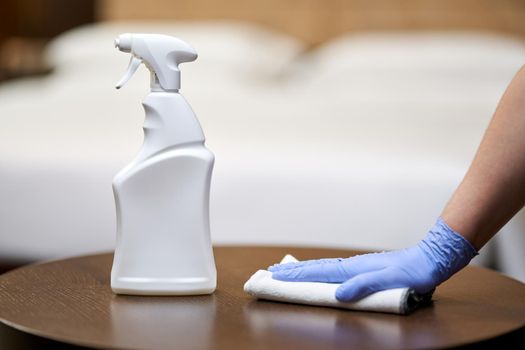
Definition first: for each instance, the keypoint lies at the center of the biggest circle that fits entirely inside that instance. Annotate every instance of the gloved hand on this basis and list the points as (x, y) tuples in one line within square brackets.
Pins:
[(422, 267)]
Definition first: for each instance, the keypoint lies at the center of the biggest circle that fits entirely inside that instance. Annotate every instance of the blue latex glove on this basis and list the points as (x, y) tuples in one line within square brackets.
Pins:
[(422, 267)]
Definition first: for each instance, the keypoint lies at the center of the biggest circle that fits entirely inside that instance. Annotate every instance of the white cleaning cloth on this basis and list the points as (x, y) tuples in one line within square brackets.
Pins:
[(399, 301)]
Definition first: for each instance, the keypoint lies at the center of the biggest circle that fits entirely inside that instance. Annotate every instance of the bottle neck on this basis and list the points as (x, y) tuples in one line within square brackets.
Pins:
[(156, 86)]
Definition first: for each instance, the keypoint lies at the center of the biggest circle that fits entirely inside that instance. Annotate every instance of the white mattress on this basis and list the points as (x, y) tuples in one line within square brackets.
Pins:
[(357, 144)]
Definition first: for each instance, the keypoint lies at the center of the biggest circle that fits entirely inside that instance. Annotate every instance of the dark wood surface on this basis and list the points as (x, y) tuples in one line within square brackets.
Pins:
[(70, 301)]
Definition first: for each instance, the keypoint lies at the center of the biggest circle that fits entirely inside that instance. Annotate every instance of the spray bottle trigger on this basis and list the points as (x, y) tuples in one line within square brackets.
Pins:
[(134, 64)]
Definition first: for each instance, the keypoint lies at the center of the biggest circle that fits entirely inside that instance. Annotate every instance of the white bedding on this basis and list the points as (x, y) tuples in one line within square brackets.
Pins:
[(357, 144)]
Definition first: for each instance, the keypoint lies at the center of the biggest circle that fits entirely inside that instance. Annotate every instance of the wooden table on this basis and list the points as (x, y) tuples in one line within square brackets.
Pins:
[(69, 302)]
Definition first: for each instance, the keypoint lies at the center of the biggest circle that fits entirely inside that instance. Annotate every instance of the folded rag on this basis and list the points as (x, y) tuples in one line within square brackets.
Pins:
[(398, 301)]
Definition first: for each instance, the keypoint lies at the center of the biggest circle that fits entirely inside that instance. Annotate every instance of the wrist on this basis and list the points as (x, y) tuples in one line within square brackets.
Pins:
[(448, 250)]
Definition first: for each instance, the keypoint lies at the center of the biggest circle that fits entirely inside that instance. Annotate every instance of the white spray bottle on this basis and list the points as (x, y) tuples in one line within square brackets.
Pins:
[(162, 197)]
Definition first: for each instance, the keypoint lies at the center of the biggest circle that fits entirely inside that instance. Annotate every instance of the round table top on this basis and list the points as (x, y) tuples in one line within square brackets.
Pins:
[(69, 302)]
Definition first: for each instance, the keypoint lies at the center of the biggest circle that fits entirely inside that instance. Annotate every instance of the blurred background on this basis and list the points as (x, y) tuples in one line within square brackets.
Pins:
[(334, 123), (28, 24)]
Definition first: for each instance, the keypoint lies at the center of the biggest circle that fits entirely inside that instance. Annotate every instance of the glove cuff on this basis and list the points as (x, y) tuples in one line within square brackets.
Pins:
[(449, 250)]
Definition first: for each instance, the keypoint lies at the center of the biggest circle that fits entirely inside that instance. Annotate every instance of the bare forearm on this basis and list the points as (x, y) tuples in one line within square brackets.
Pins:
[(493, 190)]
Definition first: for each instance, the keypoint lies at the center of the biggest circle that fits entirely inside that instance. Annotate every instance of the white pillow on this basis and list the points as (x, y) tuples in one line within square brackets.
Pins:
[(230, 48), (419, 54), (429, 77)]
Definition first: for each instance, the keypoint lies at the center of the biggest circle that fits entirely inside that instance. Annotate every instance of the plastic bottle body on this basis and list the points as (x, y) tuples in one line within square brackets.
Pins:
[(162, 201)]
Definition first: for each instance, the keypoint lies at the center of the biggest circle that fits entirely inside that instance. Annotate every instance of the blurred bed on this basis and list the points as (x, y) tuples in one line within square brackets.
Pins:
[(357, 143)]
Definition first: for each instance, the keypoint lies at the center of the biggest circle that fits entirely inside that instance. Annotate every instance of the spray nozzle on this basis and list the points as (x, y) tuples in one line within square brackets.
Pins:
[(162, 54)]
